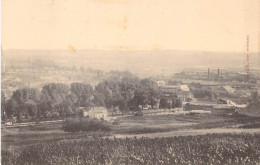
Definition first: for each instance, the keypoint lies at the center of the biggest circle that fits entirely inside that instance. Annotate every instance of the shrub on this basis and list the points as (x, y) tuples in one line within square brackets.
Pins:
[(85, 125)]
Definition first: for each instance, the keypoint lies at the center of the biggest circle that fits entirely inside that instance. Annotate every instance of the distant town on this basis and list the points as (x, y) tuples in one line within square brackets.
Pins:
[(42, 90), (61, 110)]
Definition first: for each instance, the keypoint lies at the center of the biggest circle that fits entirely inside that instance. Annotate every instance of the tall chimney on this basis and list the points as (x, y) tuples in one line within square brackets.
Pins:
[(208, 73), (218, 73)]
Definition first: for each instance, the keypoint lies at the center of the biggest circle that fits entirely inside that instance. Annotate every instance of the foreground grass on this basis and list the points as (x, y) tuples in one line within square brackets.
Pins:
[(200, 149)]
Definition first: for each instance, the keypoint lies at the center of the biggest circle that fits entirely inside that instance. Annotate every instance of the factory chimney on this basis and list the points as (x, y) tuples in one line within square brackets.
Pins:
[(208, 73), (218, 73)]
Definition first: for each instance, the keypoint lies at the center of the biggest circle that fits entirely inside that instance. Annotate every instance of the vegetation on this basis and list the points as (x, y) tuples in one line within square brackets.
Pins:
[(168, 103), (57, 100), (200, 149), (253, 107), (85, 125), (205, 94)]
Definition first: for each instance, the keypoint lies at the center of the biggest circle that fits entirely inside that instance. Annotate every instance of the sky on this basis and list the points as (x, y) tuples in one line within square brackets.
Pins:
[(216, 25)]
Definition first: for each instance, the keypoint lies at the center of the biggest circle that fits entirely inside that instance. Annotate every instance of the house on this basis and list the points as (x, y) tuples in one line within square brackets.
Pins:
[(181, 91), (9, 122), (96, 113), (168, 89)]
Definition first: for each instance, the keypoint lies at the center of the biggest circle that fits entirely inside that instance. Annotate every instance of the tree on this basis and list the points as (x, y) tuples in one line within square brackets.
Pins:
[(122, 105), (32, 109), (254, 96), (11, 108), (53, 96), (26, 99), (141, 98), (84, 93), (3, 105), (99, 99), (153, 98), (66, 108), (132, 105), (173, 104), (164, 103), (178, 103), (26, 95)]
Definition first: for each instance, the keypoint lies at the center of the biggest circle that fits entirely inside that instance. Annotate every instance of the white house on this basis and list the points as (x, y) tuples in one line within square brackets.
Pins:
[(96, 113)]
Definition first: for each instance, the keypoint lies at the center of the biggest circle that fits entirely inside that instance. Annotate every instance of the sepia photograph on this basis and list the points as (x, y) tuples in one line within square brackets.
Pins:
[(130, 82)]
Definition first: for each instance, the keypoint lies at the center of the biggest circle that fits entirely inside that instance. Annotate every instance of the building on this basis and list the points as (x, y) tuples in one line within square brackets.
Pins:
[(169, 89), (181, 91), (9, 122), (226, 89), (160, 83), (96, 113), (184, 93)]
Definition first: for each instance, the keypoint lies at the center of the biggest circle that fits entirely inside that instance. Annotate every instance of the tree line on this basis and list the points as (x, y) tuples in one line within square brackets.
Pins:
[(61, 100)]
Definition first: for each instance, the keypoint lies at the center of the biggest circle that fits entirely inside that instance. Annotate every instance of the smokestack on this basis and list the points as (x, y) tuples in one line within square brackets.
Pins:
[(208, 73), (218, 73)]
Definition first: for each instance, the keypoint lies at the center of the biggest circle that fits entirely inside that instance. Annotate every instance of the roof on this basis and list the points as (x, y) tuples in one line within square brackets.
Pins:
[(98, 109), (160, 82), (169, 86), (184, 88), (229, 88), (81, 108)]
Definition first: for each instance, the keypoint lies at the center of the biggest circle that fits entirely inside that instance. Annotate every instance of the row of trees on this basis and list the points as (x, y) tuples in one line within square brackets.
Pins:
[(60, 100)]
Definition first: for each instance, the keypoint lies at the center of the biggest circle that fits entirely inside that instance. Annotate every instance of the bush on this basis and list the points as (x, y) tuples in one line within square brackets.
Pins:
[(85, 125)]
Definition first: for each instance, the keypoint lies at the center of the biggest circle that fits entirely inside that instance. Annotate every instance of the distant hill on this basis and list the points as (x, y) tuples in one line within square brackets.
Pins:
[(138, 62)]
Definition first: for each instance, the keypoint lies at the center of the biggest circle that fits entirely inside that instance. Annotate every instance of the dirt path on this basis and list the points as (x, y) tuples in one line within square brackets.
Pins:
[(188, 132)]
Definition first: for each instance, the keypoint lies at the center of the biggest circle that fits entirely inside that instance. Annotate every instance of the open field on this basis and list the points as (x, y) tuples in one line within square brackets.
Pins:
[(188, 121)]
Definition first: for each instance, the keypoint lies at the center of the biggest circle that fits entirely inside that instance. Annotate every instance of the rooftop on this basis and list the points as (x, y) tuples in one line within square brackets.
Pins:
[(184, 88)]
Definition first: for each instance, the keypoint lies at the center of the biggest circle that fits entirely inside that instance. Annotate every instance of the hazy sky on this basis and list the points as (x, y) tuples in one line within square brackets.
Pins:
[(209, 25)]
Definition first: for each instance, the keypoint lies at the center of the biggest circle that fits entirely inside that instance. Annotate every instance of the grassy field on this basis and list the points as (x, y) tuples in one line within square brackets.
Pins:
[(129, 125), (188, 121)]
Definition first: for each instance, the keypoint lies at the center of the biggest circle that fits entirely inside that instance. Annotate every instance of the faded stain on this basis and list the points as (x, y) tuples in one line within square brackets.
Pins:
[(156, 48), (120, 23), (111, 1), (52, 2), (71, 47), (125, 21)]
